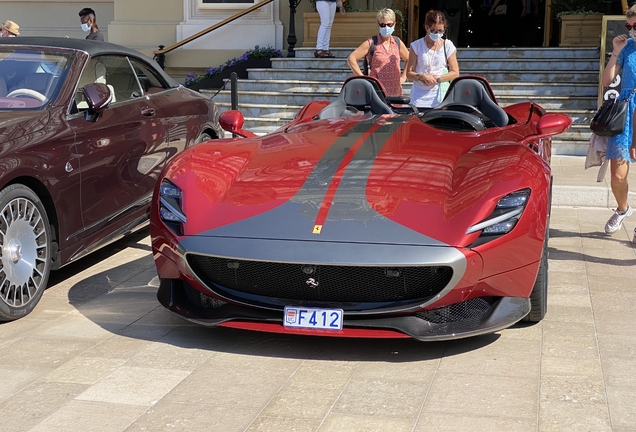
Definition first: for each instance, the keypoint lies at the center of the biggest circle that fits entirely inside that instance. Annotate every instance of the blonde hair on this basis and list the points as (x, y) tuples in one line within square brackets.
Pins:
[(386, 13), (631, 12)]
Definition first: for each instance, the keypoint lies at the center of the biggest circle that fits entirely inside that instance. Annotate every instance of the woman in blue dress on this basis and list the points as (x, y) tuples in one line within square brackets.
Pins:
[(621, 148)]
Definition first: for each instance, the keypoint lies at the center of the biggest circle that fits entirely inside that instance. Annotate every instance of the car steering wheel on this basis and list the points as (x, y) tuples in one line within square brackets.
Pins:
[(27, 92)]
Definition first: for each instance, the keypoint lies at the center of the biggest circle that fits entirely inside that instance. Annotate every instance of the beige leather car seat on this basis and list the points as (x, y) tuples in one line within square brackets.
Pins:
[(95, 73)]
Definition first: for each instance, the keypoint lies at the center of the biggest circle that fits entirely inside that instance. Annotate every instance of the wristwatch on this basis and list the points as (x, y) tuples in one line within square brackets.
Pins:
[(439, 80)]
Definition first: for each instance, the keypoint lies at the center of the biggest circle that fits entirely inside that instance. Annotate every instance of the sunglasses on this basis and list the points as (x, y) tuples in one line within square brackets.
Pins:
[(386, 24), (436, 31), (630, 27)]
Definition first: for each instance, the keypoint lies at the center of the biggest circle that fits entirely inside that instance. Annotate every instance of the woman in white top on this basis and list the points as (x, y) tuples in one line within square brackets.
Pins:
[(427, 61)]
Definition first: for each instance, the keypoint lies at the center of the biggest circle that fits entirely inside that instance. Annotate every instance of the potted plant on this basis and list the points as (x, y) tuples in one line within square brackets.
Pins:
[(581, 21), (214, 77)]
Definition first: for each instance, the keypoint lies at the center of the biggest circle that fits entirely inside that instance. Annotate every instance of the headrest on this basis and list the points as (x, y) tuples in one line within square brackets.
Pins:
[(100, 73), (471, 92), (358, 93)]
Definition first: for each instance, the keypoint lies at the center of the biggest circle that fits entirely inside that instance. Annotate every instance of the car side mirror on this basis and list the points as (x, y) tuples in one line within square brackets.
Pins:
[(553, 124), (98, 97), (233, 121)]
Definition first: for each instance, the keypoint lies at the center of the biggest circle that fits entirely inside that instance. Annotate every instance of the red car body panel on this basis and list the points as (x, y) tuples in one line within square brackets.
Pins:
[(345, 182)]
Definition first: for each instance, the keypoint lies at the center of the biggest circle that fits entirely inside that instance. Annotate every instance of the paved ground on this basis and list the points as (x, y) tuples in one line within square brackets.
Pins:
[(100, 354)]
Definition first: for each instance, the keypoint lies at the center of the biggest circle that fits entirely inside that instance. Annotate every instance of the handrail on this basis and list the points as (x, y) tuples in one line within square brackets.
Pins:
[(160, 53)]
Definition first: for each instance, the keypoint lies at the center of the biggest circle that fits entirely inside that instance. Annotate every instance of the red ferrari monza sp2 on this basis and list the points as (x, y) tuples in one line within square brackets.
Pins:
[(364, 217)]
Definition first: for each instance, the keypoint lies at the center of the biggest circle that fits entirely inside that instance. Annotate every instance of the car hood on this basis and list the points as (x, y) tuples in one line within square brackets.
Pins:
[(17, 126), (386, 181)]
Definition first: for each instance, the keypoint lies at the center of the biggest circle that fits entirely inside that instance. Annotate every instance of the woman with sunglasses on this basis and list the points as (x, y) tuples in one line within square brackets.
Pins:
[(432, 61), (621, 148), (384, 64)]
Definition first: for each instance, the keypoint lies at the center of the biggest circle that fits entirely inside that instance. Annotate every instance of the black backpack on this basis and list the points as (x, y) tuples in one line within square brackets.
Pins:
[(374, 42)]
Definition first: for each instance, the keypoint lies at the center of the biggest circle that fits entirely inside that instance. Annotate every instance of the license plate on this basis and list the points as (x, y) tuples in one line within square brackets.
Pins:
[(313, 318)]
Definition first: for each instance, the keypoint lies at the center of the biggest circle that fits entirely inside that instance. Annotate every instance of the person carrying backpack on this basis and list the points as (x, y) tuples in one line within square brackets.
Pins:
[(382, 54)]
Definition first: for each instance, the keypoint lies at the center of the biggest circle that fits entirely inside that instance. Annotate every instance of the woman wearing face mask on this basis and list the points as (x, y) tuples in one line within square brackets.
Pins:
[(428, 57), (385, 62), (621, 148)]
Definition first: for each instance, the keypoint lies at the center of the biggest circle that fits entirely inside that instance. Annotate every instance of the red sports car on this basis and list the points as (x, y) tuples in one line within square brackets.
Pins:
[(85, 129), (363, 217)]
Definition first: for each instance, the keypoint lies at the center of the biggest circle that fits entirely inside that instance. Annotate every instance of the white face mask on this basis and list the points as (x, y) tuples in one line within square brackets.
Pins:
[(632, 34), (386, 31)]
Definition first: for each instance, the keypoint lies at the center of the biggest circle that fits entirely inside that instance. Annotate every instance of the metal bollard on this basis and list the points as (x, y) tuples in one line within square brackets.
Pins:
[(234, 90)]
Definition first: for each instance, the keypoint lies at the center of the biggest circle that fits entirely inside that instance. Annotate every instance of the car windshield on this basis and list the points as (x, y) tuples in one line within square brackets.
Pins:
[(29, 79)]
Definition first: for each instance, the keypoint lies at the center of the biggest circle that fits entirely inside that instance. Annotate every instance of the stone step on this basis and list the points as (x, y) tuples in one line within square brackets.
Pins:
[(561, 146), (301, 98), (508, 88), (569, 148), (494, 53), (587, 77), (263, 110), (553, 103), (579, 116), (282, 114), (567, 64), (285, 113), (577, 132)]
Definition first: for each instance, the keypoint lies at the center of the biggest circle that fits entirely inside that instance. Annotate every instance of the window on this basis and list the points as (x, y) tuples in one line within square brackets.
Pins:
[(116, 73), (150, 82)]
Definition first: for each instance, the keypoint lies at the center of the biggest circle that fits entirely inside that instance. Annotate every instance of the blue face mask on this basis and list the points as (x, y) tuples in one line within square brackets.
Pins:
[(86, 27), (386, 31), (435, 36)]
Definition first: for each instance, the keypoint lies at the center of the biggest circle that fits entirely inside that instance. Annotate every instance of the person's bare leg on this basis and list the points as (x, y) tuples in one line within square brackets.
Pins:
[(619, 169)]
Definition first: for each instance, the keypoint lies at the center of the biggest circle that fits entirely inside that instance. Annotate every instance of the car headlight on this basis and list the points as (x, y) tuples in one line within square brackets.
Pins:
[(505, 216), (170, 203)]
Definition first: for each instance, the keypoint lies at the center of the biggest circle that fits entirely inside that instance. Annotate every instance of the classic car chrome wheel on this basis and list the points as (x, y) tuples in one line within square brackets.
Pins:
[(25, 243)]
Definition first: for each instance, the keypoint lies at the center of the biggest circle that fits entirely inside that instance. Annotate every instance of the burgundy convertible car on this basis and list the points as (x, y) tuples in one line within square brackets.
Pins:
[(363, 218), (85, 129)]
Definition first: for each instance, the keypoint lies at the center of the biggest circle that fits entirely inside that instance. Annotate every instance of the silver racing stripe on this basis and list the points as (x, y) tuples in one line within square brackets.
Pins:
[(353, 234), (350, 217)]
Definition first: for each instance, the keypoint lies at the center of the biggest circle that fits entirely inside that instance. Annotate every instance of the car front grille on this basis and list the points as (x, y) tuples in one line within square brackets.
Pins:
[(470, 311), (320, 283)]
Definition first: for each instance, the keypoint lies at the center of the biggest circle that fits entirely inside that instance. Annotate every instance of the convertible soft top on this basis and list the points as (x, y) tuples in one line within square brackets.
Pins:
[(93, 48)]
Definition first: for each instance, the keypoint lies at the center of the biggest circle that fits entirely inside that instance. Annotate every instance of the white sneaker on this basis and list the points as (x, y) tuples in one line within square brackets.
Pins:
[(616, 221)]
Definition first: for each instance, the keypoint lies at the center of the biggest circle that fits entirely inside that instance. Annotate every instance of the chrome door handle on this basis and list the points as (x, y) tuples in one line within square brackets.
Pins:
[(148, 112)]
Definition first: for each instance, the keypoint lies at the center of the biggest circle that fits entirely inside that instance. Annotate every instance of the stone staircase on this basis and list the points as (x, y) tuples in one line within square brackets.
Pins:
[(559, 79)]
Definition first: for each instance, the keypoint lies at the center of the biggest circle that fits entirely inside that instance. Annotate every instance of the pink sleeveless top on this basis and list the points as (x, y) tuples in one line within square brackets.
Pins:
[(385, 66)]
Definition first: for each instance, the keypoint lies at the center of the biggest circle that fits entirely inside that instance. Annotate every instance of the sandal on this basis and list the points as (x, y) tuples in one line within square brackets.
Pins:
[(323, 54)]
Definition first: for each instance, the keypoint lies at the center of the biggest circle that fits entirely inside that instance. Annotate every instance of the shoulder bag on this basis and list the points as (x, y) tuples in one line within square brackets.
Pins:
[(443, 86), (609, 120)]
